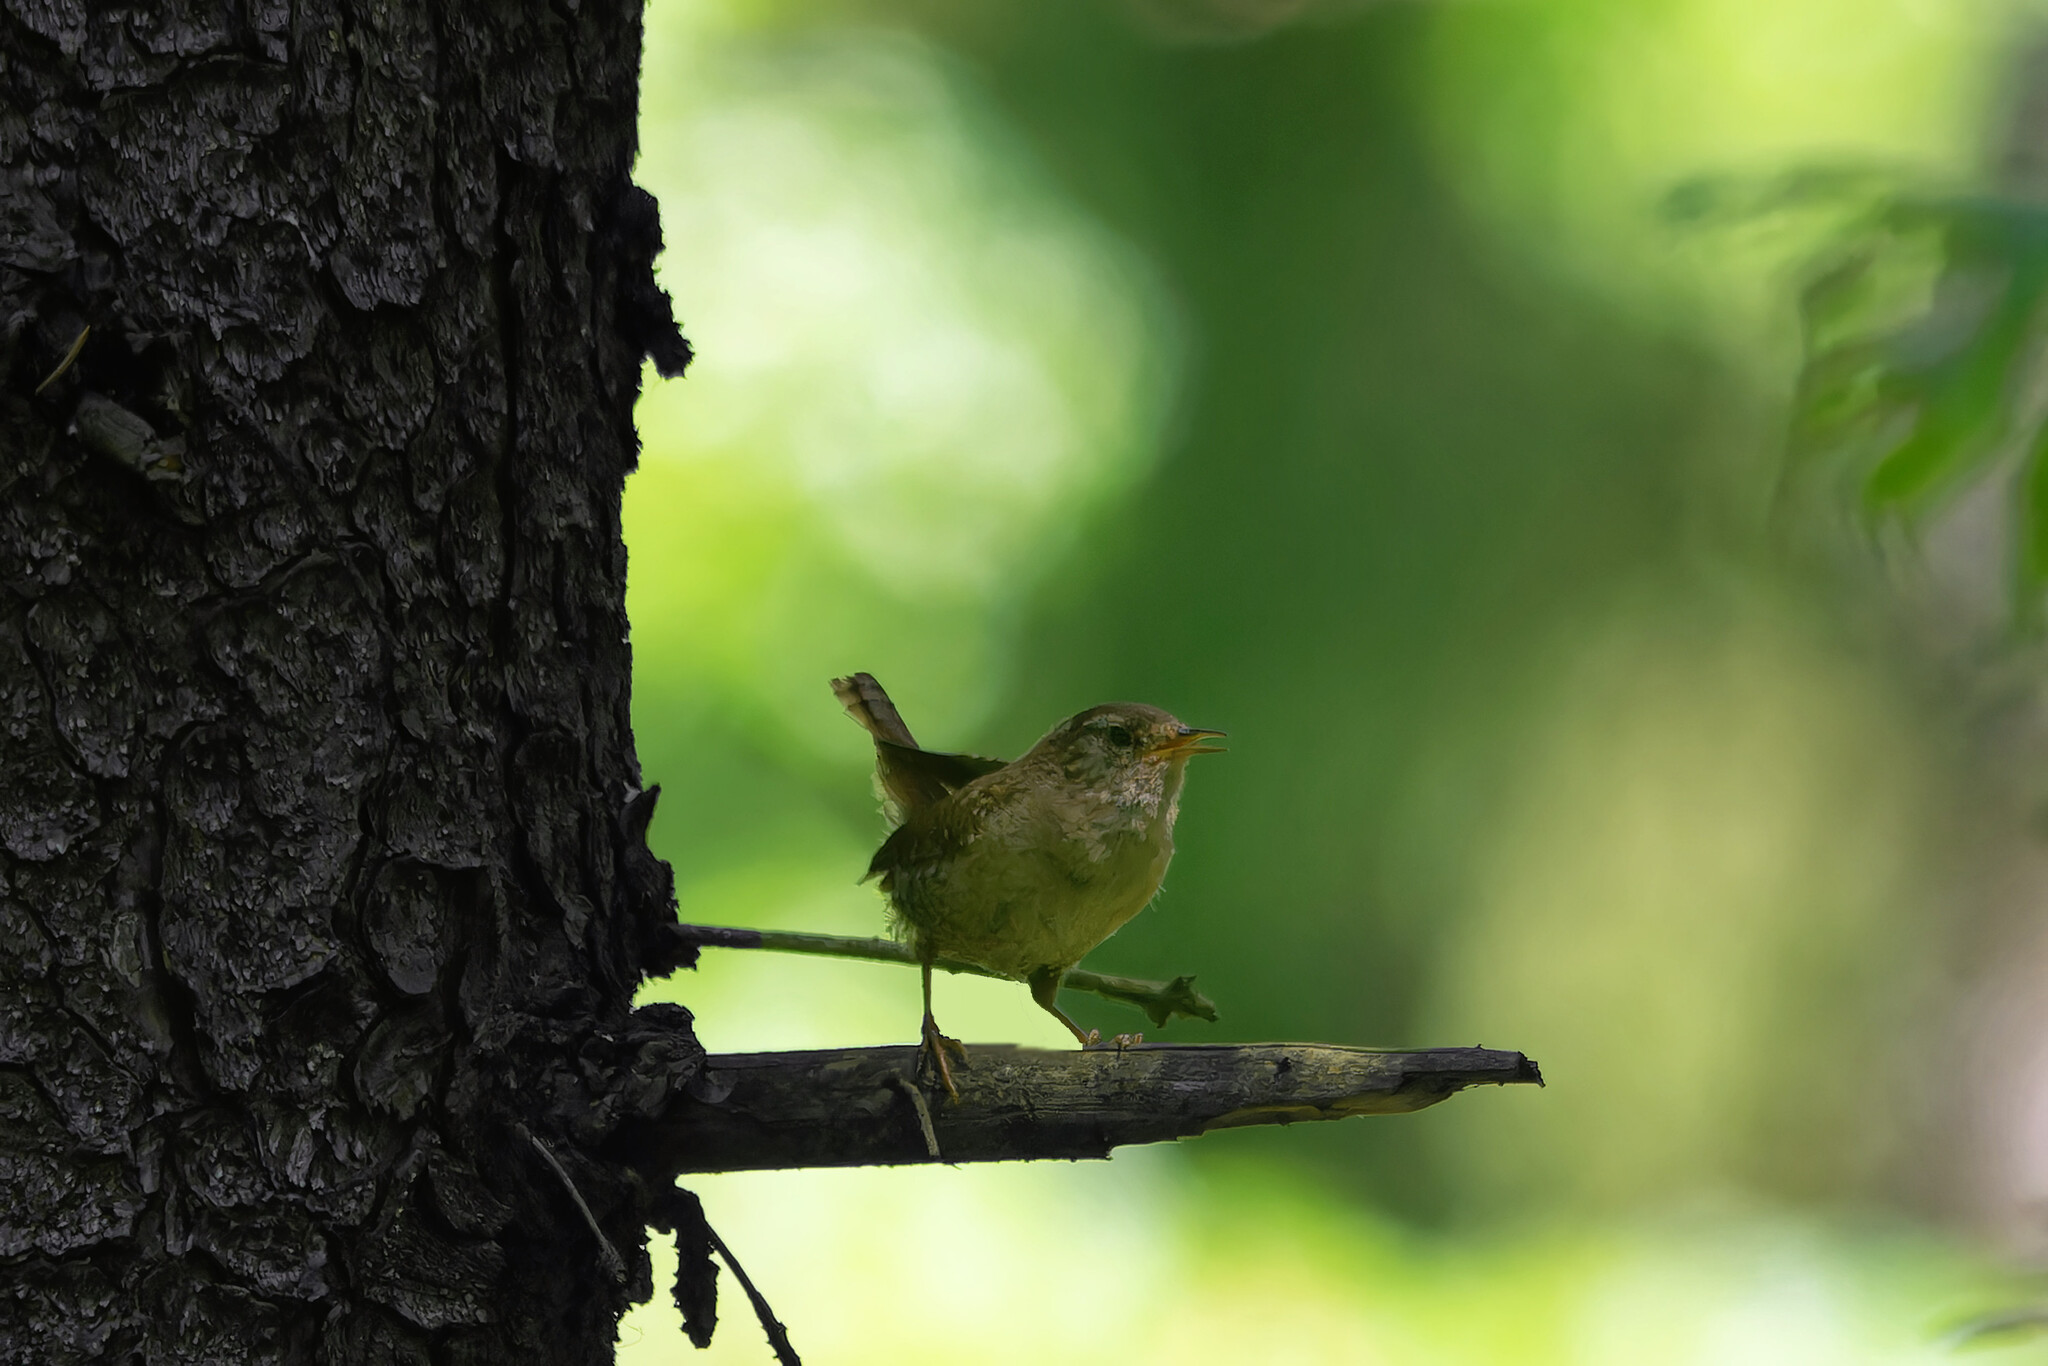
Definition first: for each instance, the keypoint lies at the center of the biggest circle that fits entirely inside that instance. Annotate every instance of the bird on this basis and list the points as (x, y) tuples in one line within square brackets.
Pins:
[(1021, 868)]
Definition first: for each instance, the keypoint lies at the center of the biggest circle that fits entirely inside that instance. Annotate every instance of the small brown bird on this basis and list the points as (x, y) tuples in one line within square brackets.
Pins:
[(1022, 868)]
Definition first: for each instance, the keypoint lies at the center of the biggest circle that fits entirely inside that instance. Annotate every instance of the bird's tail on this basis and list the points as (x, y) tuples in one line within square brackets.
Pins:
[(866, 703)]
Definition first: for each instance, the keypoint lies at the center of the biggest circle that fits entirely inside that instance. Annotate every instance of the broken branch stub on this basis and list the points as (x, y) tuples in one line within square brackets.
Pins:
[(848, 1107)]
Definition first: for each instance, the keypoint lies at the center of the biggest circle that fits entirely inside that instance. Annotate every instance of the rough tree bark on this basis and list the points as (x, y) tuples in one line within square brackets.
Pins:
[(322, 887)]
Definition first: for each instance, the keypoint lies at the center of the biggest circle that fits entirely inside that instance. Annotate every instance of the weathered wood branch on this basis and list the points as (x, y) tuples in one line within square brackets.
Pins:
[(850, 1107), (1160, 1001)]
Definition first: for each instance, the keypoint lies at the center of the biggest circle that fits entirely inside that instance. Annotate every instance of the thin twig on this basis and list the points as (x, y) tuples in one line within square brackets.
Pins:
[(778, 1336), (924, 1113), (65, 364), (2011, 1324), (612, 1261), (1160, 1001)]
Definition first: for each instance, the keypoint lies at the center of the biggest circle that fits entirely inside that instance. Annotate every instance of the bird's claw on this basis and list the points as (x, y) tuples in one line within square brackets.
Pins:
[(1119, 1042), (934, 1049)]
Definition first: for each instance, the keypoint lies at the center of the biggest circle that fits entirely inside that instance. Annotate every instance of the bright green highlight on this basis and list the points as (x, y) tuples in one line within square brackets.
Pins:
[(920, 373), (1139, 1260), (1568, 125)]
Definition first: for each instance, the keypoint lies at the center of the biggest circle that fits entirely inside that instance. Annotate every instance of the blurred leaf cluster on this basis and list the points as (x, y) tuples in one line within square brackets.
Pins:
[(1923, 328), (1923, 341)]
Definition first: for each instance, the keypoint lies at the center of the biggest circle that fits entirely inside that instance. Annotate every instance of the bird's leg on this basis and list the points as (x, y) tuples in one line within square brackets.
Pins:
[(1045, 986), (937, 1045)]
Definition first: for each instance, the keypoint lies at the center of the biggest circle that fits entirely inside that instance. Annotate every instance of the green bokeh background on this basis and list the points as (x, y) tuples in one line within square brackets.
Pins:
[(1328, 373)]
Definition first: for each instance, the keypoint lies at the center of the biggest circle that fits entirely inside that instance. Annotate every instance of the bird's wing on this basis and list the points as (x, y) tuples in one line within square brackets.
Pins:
[(911, 863), (915, 778), (960, 871)]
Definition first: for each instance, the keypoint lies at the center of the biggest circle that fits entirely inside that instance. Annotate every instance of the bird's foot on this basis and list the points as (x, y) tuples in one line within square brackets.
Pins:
[(1119, 1043), (934, 1049)]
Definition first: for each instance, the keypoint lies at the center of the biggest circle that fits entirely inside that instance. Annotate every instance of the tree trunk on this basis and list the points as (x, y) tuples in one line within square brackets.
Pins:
[(322, 888)]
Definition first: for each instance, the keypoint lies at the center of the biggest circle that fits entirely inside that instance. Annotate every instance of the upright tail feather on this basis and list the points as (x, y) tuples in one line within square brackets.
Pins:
[(866, 703)]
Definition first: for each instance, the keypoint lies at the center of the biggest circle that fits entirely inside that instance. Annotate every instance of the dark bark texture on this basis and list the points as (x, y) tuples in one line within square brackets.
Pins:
[(321, 870)]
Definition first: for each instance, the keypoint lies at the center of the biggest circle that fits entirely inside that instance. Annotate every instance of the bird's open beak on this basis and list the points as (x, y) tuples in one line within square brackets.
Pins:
[(1187, 742)]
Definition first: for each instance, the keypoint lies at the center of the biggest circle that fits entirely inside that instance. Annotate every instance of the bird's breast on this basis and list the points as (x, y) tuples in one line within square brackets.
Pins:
[(1039, 883), (1077, 891)]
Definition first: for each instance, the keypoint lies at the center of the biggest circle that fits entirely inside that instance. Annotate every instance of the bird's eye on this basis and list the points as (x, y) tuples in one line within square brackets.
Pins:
[(1120, 736)]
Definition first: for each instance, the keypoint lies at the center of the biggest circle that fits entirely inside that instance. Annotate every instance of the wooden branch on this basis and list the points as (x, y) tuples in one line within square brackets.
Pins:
[(1160, 1001), (848, 1107)]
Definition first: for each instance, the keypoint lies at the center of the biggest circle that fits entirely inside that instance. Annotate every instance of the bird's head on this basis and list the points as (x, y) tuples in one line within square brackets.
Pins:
[(1120, 746)]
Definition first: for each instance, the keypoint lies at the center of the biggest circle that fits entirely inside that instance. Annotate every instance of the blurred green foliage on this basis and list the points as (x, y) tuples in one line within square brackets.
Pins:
[(1329, 374), (1922, 393)]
